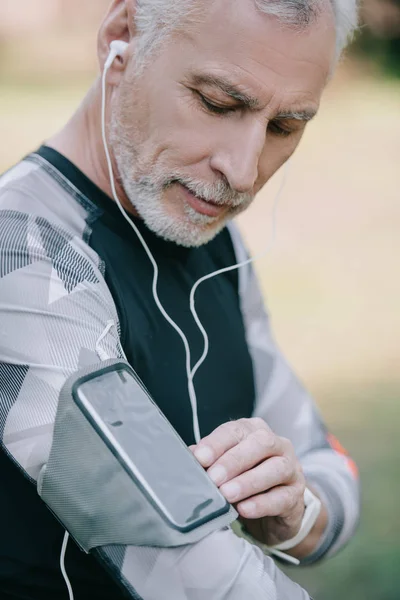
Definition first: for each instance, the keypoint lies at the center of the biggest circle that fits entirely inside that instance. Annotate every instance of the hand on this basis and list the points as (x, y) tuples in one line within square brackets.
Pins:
[(259, 473)]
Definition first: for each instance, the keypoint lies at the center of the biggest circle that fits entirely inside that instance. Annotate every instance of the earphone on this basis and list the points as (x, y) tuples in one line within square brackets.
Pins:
[(118, 48)]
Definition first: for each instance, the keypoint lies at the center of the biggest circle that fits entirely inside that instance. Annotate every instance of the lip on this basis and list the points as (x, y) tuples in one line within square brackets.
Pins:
[(202, 206)]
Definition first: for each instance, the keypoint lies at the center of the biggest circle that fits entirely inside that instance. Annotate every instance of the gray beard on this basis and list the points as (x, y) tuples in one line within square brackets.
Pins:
[(191, 230), (145, 193)]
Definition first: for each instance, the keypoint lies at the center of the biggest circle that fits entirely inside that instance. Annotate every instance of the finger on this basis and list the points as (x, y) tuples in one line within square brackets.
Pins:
[(271, 473), (280, 501), (256, 448), (225, 437)]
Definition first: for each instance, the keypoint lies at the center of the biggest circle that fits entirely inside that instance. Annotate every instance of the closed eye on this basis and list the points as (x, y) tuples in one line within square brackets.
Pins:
[(274, 126), (276, 129), (215, 108)]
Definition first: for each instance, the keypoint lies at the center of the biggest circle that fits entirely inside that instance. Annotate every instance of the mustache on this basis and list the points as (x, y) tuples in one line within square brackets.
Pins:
[(219, 192)]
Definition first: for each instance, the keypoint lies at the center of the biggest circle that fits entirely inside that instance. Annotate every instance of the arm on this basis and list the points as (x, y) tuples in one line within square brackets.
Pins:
[(54, 309), (291, 413), (220, 567)]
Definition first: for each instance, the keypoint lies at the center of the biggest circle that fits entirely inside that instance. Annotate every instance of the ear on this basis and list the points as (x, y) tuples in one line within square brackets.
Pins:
[(118, 24)]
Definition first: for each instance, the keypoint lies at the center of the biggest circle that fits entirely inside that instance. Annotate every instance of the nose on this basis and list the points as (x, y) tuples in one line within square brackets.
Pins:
[(238, 155)]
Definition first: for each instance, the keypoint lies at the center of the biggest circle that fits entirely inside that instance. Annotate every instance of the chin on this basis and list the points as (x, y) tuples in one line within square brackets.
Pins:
[(183, 232), (173, 221)]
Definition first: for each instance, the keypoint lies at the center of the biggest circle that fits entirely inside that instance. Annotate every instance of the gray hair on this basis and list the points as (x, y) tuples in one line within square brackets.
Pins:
[(156, 19)]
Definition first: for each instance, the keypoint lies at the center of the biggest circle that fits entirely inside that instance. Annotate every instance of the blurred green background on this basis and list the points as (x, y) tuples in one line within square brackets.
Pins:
[(332, 280)]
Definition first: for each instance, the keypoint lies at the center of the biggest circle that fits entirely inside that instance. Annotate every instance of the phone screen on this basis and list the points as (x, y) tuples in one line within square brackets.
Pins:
[(149, 448)]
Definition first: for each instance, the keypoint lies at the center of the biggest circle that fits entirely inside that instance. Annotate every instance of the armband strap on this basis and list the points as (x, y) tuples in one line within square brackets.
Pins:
[(312, 509), (87, 489)]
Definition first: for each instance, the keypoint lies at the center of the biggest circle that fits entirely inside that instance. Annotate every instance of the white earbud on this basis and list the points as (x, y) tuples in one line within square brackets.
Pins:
[(117, 48)]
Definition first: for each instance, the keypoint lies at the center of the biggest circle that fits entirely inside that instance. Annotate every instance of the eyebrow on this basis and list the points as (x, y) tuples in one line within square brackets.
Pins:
[(247, 100), (227, 87), (297, 115)]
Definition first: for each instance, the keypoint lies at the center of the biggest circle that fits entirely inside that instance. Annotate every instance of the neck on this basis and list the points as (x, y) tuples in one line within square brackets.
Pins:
[(81, 142)]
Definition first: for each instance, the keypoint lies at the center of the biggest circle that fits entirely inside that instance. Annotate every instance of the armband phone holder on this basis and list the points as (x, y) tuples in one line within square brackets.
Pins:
[(119, 474)]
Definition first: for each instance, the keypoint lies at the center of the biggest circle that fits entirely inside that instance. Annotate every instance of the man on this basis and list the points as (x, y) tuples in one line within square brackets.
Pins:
[(207, 102)]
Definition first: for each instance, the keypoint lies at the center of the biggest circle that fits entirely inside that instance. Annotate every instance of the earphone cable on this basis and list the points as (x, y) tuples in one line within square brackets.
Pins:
[(190, 373)]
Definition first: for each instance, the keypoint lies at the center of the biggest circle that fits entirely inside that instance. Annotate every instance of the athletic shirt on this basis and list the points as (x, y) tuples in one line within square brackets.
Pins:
[(31, 538), (73, 276)]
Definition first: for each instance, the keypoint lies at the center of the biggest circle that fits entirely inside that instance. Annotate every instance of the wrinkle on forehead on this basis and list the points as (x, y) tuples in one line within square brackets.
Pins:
[(271, 97), (235, 38)]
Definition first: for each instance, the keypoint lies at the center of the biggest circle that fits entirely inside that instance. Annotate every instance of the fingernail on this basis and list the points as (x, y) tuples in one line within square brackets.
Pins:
[(204, 455), (231, 491), (248, 508), (218, 474)]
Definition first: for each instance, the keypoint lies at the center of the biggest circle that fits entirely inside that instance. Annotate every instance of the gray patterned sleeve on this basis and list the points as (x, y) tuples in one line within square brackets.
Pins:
[(54, 309), (289, 410)]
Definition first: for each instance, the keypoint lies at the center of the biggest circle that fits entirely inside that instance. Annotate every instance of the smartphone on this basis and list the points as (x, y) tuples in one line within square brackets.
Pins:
[(120, 409)]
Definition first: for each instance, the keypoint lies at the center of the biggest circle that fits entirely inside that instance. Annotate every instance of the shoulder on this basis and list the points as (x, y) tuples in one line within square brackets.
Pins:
[(35, 187), (45, 257), (41, 216)]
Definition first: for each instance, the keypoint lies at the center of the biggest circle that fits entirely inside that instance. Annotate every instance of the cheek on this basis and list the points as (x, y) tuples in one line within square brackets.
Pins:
[(179, 130), (132, 117), (276, 152)]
